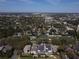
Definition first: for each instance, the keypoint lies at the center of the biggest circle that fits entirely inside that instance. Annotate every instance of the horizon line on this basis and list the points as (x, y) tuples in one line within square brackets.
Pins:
[(39, 12), (34, 12)]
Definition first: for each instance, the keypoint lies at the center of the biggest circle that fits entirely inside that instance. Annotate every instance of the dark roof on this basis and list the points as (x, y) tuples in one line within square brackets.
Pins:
[(48, 46), (42, 47)]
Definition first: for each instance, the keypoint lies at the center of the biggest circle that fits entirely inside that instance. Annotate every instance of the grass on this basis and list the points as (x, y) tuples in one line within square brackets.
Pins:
[(21, 58), (26, 58), (4, 58), (30, 57)]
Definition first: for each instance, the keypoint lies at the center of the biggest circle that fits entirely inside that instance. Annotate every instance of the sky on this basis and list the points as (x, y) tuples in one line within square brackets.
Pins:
[(71, 6)]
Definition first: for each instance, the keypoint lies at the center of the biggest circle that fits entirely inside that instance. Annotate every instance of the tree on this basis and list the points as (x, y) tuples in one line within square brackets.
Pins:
[(42, 39), (67, 40), (18, 43), (78, 35), (55, 41), (64, 40)]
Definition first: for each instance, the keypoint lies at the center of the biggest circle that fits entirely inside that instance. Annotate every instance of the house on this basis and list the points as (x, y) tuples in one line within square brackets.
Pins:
[(55, 48), (27, 49), (40, 49), (32, 37), (77, 28), (18, 34), (28, 33), (48, 19), (44, 49), (76, 46), (34, 49), (69, 28), (1, 47), (6, 50)]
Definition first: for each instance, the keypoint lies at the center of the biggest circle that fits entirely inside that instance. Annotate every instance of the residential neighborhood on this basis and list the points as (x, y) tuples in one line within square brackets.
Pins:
[(39, 35)]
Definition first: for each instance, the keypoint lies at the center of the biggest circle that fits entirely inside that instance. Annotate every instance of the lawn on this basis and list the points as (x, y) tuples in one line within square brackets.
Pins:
[(26, 58), (4, 58), (39, 58), (31, 58), (21, 58)]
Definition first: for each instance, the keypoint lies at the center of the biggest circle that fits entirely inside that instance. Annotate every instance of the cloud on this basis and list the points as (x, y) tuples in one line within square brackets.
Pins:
[(27, 1), (53, 2)]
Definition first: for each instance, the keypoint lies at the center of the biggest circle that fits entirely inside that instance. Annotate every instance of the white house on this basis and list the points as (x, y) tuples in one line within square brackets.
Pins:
[(1, 47), (54, 47), (78, 28), (48, 19), (27, 49), (34, 49)]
